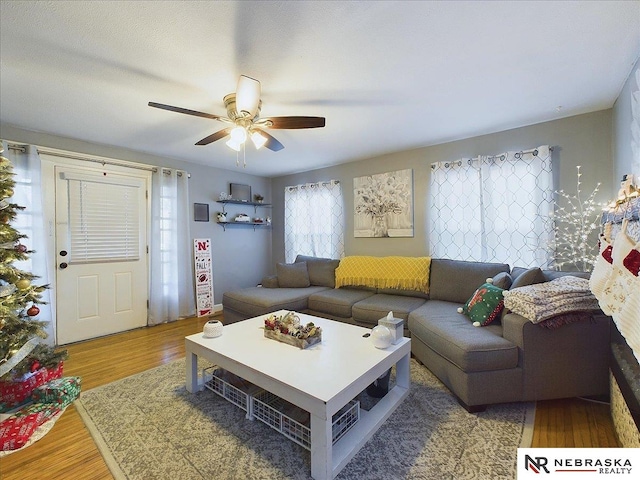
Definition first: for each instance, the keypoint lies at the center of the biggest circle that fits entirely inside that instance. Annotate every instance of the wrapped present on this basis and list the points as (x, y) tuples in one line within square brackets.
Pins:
[(59, 392), (14, 393), (16, 431)]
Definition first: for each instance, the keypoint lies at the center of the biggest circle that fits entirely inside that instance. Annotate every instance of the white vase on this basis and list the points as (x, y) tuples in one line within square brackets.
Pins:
[(381, 337), (212, 329)]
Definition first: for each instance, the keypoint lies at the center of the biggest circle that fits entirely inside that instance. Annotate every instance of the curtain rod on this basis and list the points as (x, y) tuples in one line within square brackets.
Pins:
[(95, 160), (167, 171), (23, 149), (311, 185), (523, 152), (18, 148)]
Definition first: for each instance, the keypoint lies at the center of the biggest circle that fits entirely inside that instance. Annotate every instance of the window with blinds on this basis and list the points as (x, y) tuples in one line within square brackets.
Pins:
[(104, 223)]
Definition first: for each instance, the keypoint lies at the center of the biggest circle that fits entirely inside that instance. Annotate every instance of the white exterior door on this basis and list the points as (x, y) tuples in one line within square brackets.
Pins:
[(101, 252)]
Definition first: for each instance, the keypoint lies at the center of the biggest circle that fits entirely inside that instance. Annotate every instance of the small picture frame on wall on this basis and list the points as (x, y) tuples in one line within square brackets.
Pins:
[(201, 212)]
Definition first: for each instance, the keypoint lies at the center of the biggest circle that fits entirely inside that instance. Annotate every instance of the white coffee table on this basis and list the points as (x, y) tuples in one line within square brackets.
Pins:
[(320, 379)]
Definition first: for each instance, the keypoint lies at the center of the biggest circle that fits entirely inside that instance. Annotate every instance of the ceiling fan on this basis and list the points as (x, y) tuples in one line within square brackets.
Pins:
[(243, 115)]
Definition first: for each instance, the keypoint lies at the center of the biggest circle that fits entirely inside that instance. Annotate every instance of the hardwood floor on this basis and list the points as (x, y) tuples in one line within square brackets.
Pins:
[(68, 451)]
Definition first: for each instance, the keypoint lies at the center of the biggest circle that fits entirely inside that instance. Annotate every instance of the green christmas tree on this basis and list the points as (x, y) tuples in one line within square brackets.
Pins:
[(21, 333)]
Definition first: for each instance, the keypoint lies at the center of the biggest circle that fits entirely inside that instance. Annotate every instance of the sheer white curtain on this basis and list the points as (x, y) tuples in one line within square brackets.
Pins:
[(171, 290), (494, 208), (31, 222), (314, 220)]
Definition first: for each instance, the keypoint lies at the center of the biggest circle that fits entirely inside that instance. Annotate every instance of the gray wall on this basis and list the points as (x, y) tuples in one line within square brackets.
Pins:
[(622, 153), (241, 256), (581, 140)]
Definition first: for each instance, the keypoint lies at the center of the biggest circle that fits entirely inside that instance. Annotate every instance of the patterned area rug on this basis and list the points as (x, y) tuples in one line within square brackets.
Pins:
[(148, 426)]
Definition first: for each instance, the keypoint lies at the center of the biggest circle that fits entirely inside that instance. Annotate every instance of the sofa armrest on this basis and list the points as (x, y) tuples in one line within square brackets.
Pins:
[(513, 327), (270, 281), (569, 361)]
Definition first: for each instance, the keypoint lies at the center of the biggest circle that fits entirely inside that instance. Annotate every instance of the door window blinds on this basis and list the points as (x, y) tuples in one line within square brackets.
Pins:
[(104, 223)]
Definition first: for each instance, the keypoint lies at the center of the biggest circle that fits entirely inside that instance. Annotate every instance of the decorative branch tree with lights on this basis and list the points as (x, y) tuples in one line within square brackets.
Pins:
[(21, 349), (575, 220)]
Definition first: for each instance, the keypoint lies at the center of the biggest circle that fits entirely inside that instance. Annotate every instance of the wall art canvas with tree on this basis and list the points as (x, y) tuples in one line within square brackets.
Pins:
[(383, 205)]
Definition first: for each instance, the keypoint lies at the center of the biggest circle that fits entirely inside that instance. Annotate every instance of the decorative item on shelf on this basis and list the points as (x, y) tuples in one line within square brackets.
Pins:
[(224, 196), (395, 326), (259, 198), (241, 217), (222, 217), (258, 220), (627, 189), (212, 329), (240, 192), (287, 329), (381, 337)]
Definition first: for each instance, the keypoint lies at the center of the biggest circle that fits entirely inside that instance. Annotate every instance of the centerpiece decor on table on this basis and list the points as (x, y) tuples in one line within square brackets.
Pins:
[(288, 329)]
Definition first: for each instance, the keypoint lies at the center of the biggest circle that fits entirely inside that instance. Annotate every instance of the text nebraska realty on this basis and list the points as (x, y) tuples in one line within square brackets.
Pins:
[(605, 466)]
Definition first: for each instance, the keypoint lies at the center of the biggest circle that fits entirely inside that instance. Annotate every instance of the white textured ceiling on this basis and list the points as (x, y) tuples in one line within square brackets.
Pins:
[(387, 76)]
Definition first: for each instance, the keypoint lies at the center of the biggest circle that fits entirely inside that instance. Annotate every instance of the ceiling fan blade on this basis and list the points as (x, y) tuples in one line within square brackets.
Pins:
[(186, 111), (293, 122), (215, 136), (247, 96), (272, 144)]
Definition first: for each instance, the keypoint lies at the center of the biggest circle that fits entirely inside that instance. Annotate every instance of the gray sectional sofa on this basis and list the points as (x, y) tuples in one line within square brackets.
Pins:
[(511, 359)]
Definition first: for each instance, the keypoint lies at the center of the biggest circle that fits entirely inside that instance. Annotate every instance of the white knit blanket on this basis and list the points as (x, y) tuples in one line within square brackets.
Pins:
[(542, 301)]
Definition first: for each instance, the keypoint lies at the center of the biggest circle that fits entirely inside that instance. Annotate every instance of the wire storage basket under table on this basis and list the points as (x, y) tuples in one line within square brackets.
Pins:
[(293, 422), (229, 386)]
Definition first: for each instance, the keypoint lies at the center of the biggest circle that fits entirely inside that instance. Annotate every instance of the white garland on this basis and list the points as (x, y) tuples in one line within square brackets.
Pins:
[(17, 357)]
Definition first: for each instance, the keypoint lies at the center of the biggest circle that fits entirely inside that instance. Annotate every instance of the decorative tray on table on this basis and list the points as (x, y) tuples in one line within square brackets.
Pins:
[(287, 329)]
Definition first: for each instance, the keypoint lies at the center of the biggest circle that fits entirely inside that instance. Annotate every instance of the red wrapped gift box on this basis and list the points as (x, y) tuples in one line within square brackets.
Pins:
[(16, 431), (16, 392)]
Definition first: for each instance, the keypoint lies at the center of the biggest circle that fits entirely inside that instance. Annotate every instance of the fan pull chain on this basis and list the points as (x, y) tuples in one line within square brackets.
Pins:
[(238, 158), (244, 155)]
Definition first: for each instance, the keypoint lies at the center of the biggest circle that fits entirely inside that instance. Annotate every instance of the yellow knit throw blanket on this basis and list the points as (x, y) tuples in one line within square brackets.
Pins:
[(407, 273)]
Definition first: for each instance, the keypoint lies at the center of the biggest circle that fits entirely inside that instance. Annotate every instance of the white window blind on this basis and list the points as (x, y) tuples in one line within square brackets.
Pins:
[(104, 223)]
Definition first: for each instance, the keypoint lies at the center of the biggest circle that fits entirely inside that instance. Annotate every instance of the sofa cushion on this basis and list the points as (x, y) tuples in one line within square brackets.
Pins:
[(502, 280), (270, 281), (322, 271), (373, 308), (256, 301), (456, 280), (293, 275), (522, 277), (449, 333), (485, 305), (338, 301), (404, 293)]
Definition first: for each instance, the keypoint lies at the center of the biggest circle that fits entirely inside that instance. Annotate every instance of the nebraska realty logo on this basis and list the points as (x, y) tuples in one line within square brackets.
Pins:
[(582, 463)]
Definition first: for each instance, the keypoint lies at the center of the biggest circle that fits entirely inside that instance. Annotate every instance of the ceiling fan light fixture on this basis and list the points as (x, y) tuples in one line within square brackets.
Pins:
[(238, 135), (247, 96), (258, 139), (234, 145)]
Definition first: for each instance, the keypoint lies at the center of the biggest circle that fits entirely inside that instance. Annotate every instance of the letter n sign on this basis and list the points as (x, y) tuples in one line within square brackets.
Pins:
[(204, 280)]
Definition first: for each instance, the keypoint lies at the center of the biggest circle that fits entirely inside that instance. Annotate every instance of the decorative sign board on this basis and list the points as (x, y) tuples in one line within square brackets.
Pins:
[(204, 278)]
